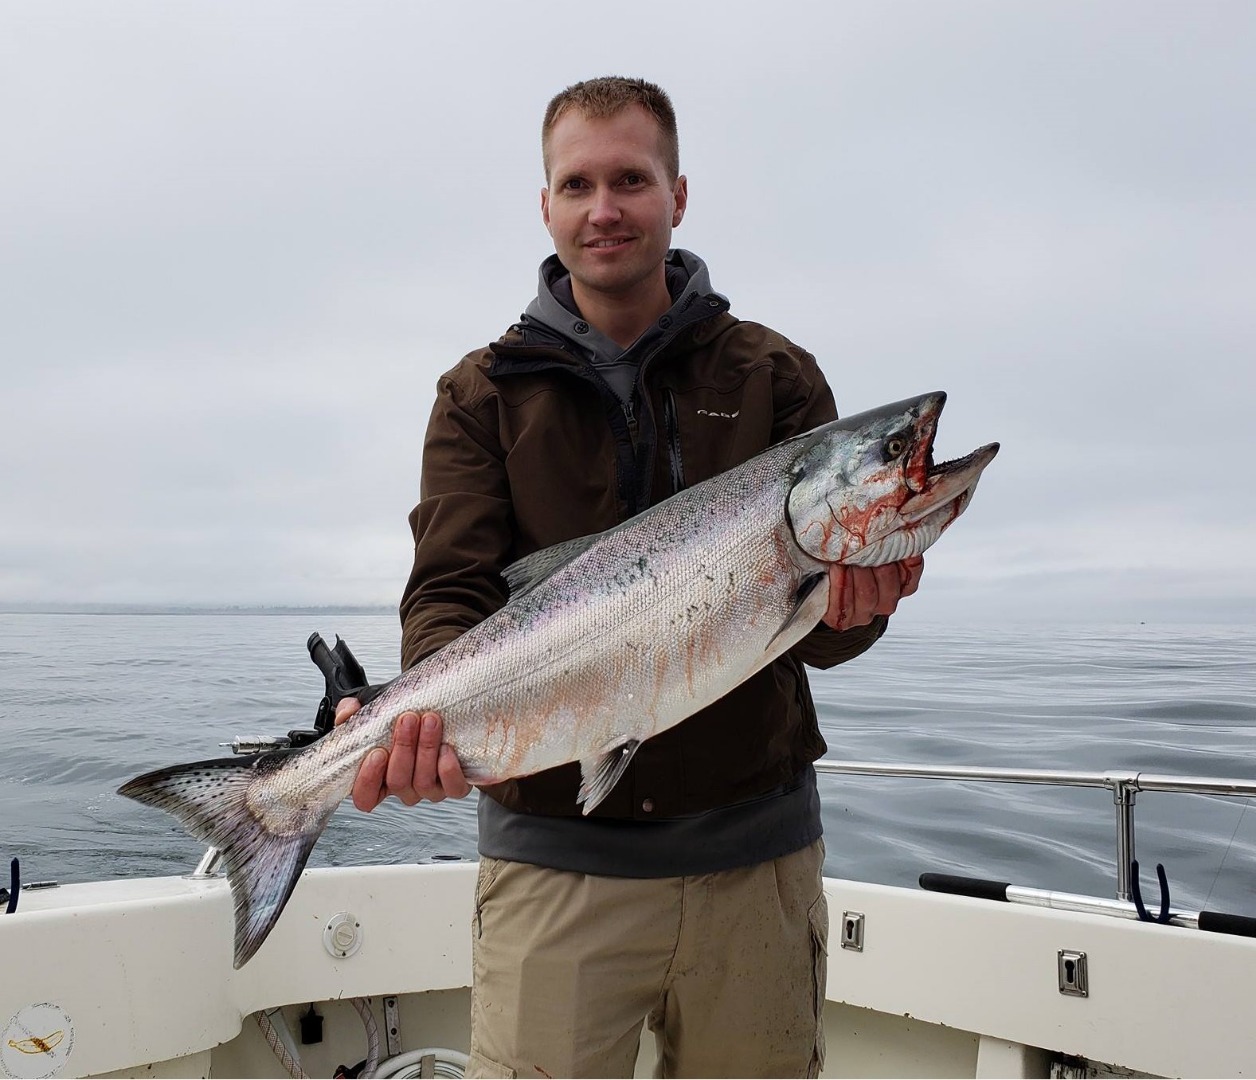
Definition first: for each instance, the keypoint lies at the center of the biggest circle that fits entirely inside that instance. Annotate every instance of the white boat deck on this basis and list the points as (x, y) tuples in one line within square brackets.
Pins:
[(944, 985)]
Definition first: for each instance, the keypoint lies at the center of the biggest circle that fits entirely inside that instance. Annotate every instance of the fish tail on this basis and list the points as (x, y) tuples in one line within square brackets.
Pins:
[(210, 799)]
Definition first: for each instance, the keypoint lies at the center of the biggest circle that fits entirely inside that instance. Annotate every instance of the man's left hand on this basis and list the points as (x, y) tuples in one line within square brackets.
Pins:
[(859, 593)]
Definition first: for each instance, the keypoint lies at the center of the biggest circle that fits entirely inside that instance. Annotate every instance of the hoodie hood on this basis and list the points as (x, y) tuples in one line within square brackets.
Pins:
[(555, 310)]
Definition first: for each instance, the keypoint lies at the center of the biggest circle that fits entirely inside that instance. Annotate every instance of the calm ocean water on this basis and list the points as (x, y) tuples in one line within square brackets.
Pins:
[(91, 700)]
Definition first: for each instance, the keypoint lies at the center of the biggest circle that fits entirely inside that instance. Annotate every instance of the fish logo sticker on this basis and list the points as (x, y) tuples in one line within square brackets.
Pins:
[(36, 1043)]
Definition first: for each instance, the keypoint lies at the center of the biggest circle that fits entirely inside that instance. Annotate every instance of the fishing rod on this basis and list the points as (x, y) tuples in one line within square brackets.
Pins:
[(1216, 922)]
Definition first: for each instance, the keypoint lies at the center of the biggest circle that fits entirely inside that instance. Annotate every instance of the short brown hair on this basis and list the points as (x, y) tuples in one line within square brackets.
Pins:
[(607, 96)]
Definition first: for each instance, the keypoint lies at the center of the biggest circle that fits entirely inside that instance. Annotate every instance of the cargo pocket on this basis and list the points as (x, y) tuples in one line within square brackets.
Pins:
[(818, 918), (488, 873), (488, 908), (479, 1065)]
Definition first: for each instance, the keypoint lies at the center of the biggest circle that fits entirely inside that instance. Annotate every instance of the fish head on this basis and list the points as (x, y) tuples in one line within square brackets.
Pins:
[(866, 490)]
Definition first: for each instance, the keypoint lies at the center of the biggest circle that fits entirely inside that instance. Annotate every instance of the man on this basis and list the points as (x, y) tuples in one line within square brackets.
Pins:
[(692, 895)]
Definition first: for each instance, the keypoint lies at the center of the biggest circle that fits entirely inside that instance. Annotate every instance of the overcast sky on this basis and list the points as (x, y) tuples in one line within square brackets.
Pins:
[(239, 241)]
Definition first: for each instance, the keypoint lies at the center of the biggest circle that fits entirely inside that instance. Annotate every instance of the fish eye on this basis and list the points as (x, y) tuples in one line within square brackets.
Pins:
[(894, 446)]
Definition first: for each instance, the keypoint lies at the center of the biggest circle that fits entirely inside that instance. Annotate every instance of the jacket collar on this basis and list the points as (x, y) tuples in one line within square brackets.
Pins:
[(552, 323)]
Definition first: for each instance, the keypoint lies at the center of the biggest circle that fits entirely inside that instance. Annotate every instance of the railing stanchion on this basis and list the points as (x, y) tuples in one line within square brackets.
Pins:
[(1124, 792), (208, 866)]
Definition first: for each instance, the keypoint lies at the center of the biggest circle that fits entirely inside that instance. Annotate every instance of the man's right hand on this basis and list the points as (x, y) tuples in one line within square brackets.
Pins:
[(419, 766)]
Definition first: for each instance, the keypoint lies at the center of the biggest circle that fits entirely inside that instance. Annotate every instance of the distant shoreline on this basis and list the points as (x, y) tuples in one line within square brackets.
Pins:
[(195, 609)]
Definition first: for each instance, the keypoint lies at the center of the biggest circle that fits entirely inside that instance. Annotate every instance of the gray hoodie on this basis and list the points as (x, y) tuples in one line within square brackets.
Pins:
[(555, 308)]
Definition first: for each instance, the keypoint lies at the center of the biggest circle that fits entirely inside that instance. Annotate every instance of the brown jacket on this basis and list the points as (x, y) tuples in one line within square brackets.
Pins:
[(527, 447)]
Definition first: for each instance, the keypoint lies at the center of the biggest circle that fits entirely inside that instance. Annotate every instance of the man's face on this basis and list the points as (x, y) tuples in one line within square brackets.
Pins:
[(610, 205)]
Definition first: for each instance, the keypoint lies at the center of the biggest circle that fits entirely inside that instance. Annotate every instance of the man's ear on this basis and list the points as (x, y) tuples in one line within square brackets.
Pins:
[(545, 207), (680, 193)]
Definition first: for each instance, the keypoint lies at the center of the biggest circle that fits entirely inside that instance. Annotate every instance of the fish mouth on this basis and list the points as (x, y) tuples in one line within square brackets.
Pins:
[(933, 486), (950, 482), (923, 517)]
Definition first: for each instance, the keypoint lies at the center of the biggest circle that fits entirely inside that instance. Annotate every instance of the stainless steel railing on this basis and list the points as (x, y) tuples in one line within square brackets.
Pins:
[(1124, 785)]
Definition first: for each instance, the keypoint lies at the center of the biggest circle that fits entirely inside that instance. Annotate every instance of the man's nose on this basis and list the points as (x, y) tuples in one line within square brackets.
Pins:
[(605, 209)]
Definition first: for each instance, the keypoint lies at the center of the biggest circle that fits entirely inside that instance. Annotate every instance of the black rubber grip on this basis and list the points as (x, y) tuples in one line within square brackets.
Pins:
[(1218, 922), (322, 656), (965, 886), (343, 674), (15, 887)]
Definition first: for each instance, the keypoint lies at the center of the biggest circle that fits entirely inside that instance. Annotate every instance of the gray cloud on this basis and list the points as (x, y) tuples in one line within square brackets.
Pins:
[(241, 241)]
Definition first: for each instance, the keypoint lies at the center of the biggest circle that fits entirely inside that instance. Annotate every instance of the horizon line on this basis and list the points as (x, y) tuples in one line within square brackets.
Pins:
[(52, 607)]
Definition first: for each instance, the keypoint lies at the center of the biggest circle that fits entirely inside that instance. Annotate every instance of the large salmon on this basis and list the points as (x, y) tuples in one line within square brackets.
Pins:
[(605, 641)]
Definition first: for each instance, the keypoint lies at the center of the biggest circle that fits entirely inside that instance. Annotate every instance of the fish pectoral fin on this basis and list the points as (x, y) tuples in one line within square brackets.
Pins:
[(799, 612), (598, 775)]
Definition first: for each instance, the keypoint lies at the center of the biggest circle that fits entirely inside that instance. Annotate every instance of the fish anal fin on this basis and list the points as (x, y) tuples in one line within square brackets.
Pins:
[(598, 775)]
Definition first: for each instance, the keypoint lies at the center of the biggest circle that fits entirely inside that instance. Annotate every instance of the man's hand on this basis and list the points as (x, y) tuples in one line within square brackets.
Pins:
[(419, 766), (857, 593)]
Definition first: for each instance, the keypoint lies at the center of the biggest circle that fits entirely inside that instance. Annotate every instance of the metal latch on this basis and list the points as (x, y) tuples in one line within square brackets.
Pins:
[(1073, 974), (852, 936)]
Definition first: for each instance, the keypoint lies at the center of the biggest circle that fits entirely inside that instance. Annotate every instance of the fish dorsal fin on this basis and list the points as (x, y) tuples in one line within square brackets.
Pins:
[(527, 573), (799, 610), (599, 774)]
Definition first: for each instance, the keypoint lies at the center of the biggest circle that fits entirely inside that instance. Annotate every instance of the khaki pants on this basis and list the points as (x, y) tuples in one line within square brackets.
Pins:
[(728, 968)]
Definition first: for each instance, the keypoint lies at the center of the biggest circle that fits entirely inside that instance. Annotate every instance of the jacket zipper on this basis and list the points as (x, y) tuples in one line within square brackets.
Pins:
[(635, 477), (631, 416), (672, 426)]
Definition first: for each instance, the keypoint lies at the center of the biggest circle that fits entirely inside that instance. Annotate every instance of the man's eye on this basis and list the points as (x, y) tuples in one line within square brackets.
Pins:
[(573, 184), (634, 179)]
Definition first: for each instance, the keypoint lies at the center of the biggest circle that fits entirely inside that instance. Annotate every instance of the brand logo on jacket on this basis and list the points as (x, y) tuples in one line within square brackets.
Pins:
[(721, 415)]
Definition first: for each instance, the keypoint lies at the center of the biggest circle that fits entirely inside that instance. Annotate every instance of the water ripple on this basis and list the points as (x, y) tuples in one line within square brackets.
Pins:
[(146, 691)]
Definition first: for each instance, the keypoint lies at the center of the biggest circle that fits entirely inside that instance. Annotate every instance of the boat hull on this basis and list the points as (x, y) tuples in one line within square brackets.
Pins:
[(944, 985)]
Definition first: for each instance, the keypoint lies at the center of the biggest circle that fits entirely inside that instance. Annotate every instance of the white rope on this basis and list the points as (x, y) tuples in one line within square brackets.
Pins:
[(372, 1036), (277, 1045)]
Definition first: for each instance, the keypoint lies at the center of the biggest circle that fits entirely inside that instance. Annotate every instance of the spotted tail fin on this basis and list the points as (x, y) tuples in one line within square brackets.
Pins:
[(210, 799)]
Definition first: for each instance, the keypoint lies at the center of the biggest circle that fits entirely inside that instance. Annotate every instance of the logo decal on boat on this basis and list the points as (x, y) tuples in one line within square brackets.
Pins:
[(37, 1042)]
